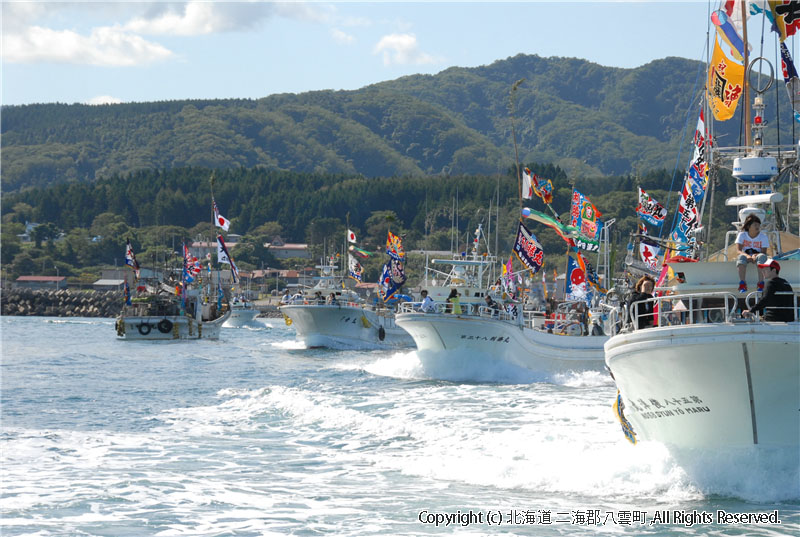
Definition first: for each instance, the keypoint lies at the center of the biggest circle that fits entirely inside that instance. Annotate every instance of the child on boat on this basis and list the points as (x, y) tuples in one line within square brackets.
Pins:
[(752, 245)]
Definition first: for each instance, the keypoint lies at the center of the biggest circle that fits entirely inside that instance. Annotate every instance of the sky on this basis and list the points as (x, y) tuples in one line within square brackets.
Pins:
[(111, 52)]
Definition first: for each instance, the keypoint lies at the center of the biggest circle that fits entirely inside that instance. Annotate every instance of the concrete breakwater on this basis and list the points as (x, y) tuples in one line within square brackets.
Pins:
[(67, 303), (61, 303)]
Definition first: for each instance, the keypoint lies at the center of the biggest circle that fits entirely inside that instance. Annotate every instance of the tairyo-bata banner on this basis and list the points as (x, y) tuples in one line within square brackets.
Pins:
[(528, 250)]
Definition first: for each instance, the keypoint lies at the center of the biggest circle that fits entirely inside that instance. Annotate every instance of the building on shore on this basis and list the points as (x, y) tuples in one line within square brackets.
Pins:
[(41, 282)]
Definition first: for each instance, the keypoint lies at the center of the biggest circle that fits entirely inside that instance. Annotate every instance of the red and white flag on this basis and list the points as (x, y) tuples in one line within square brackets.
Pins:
[(527, 185), (220, 220), (351, 237)]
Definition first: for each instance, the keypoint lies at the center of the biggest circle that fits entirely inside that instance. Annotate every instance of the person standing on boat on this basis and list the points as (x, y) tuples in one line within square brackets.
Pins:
[(286, 298), (494, 308), (332, 299), (775, 307), (752, 245), (427, 305), (454, 303), (642, 312)]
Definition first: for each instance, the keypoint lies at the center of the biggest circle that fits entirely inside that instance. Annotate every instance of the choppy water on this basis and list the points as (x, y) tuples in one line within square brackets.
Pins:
[(251, 435)]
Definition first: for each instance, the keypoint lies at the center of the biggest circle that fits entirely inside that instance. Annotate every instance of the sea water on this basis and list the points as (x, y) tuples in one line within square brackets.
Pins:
[(255, 435)]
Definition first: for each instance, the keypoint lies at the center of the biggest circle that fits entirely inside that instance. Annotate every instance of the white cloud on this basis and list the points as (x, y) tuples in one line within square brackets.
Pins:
[(104, 99), (341, 36), (200, 18), (106, 46), (402, 49)]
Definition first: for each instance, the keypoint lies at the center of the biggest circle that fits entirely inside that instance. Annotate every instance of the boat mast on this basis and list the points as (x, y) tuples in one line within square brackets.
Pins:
[(745, 84)]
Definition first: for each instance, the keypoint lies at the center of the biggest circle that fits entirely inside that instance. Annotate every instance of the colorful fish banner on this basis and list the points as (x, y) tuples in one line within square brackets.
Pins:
[(590, 275), (649, 250), (392, 279), (570, 234), (541, 187), (693, 191), (354, 268), (130, 259), (650, 210), (528, 250), (791, 80), (725, 82), (394, 247), (584, 216), (127, 295), (688, 219), (698, 167), (784, 15), (359, 252), (575, 285), (728, 22)]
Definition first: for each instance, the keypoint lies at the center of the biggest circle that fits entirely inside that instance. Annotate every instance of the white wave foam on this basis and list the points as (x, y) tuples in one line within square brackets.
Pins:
[(580, 379), (290, 344)]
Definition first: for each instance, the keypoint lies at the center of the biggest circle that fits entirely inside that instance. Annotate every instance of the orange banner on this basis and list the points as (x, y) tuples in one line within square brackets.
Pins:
[(725, 81)]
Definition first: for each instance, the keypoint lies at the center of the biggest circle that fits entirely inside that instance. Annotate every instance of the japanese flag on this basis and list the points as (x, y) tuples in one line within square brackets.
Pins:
[(351, 236), (220, 220)]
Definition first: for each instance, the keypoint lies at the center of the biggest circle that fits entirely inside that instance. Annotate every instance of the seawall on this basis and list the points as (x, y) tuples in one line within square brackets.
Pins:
[(62, 303)]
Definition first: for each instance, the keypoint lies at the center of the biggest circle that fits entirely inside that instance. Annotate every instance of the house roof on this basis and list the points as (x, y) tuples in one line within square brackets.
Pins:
[(41, 278), (109, 282), (286, 246)]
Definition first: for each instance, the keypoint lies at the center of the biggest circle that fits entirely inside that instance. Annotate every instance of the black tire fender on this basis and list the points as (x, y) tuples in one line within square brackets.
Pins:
[(144, 328), (164, 326)]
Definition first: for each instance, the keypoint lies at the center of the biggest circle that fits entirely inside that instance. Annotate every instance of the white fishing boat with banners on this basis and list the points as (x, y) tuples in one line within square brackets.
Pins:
[(567, 341), (705, 376), (329, 315)]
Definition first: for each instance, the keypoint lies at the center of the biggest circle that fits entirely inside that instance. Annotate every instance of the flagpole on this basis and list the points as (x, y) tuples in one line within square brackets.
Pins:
[(746, 81), (514, 136)]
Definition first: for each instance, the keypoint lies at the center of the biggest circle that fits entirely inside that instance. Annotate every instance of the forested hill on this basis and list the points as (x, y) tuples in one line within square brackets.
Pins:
[(585, 118)]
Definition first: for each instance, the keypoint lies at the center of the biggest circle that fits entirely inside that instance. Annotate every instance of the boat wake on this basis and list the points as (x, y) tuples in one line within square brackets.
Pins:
[(291, 345), (420, 365)]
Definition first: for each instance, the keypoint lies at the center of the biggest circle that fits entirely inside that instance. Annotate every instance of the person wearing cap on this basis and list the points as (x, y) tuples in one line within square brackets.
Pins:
[(752, 245), (775, 307)]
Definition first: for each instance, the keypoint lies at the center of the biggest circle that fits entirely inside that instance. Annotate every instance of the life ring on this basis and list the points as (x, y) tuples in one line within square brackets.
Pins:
[(164, 326), (144, 329), (381, 333)]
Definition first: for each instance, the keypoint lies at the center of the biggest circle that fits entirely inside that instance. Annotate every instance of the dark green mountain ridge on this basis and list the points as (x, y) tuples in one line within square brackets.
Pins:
[(587, 119)]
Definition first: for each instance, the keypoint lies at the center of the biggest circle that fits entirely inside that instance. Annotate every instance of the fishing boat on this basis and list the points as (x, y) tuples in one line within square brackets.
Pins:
[(703, 375), (161, 315), (569, 340), (333, 316), (243, 314), (183, 306)]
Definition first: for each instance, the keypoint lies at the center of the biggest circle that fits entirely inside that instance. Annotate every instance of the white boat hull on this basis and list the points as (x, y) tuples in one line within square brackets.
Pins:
[(538, 351), (144, 328), (711, 385), (345, 327), (243, 317)]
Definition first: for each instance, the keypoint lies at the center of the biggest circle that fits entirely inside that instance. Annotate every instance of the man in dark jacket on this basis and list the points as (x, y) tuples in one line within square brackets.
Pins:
[(775, 307)]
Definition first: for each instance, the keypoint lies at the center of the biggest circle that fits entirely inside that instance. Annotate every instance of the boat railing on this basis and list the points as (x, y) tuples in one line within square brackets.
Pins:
[(467, 310), (684, 309), (751, 300)]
